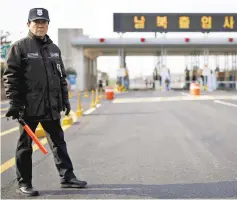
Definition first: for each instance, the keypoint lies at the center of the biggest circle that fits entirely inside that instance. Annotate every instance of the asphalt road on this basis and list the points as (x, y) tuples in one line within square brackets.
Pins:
[(9, 139), (175, 149)]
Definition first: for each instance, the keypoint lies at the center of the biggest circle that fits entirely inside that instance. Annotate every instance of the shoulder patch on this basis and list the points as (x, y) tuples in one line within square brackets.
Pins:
[(54, 55), (33, 55)]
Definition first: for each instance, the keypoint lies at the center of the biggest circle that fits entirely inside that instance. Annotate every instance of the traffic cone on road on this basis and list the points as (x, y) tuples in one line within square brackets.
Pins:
[(93, 105), (101, 94), (97, 101), (39, 132), (79, 107), (86, 95)]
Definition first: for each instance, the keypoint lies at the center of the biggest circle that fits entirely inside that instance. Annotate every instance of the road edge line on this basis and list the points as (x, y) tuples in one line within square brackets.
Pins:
[(11, 162)]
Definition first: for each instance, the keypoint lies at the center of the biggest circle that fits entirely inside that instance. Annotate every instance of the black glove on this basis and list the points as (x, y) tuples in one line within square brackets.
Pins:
[(66, 106), (14, 111)]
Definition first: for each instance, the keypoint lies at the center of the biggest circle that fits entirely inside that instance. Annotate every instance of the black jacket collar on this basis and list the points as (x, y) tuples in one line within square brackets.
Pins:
[(46, 39)]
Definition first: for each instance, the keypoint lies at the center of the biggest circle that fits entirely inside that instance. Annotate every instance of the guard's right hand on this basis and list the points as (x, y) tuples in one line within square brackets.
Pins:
[(13, 111)]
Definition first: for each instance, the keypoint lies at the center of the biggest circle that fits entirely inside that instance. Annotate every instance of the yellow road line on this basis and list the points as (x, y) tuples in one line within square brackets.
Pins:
[(3, 109), (17, 128), (9, 131), (10, 163)]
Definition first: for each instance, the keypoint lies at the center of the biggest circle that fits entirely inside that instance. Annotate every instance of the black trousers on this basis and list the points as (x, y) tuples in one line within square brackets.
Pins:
[(55, 136)]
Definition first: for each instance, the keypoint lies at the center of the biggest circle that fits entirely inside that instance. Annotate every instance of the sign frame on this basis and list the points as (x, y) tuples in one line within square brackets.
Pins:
[(153, 22)]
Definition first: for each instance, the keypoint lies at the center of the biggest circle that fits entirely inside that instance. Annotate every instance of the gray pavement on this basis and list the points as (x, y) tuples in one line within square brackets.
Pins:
[(180, 149), (9, 141)]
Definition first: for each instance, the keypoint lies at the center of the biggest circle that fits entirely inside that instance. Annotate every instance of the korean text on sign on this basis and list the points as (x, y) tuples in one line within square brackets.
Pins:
[(139, 23), (184, 22), (162, 21), (229, 22)]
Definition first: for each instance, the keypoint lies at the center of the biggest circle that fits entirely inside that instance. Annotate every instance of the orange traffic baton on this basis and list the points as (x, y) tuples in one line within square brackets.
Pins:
[(32, 135)]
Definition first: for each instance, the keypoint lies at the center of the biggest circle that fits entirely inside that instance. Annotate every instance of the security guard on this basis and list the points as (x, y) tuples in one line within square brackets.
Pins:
[(36, 87)]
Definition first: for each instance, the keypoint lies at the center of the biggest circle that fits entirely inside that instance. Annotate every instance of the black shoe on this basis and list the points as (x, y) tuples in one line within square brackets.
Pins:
[(28, 191), (73, 183)]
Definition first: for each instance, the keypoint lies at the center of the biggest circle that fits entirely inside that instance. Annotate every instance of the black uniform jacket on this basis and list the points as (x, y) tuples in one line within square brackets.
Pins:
[(35, 77)]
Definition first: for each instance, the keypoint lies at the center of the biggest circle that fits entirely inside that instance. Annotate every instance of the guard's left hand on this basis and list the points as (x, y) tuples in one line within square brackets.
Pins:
[(67, 107)]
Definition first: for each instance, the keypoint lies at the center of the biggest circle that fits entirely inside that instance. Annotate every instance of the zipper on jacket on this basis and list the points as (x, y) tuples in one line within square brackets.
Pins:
[(48, 99)]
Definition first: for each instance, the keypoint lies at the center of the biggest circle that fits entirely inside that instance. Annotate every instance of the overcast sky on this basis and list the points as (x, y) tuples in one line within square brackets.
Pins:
[(96, 19)]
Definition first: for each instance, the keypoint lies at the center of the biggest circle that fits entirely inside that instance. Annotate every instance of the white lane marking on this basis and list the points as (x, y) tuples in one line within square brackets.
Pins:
[(73, 115), (185, 94), (98, 105), (225, 103), (177, 98), (91, 110)]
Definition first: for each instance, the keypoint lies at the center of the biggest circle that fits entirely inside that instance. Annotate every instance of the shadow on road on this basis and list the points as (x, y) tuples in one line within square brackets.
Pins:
[(226, 189)]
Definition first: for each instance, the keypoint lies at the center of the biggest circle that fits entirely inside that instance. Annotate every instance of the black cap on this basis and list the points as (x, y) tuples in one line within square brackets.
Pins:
[(38, 13)]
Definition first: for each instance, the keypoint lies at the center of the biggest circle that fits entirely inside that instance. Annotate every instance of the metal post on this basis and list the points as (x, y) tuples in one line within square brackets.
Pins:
[(234, 62), (217, 71), (197, 60), (186, 60), (192, 55), (234, 67), (226, 68), (226, 62), (206, 57), (198, 69), (217, 61), (206, 62), (164, 56), (187, 69)]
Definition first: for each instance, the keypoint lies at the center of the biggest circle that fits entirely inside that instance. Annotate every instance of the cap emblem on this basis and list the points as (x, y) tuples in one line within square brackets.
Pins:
[(39, 12)]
